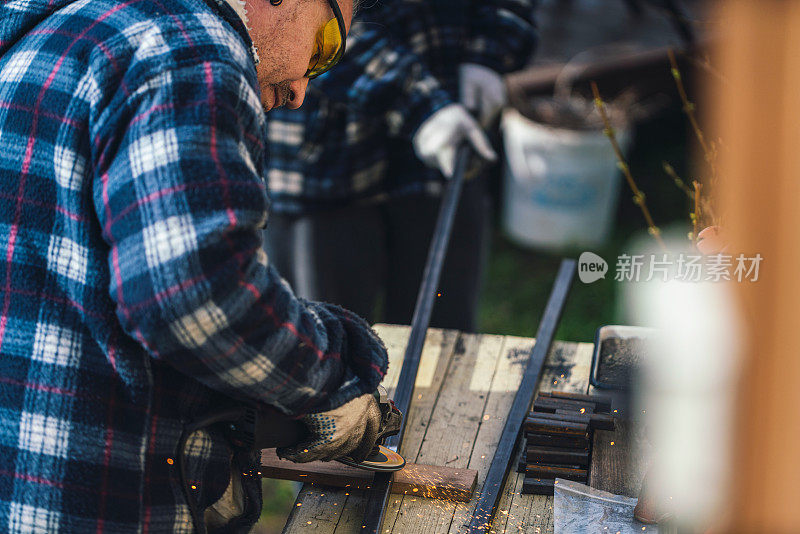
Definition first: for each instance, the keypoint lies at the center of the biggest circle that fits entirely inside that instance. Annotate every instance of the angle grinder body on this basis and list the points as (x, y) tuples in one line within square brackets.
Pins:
[(267, 428)]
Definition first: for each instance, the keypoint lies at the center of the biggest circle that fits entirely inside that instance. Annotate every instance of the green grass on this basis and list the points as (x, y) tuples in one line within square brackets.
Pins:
[(518, 284), (279, 498), (519, 281)]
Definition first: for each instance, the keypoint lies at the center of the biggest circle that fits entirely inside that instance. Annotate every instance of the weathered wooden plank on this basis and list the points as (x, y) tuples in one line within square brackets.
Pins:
[(338, 511), (431, 482), (420, 418), (502, 461), (505, 515), (566, 369), (426, 395), (516, 352), (535, 517), (512, 488), (455, 423), (315, 511), (619, 459)]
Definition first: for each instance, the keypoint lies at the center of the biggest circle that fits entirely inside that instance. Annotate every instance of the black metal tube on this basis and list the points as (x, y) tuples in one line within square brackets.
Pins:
[(501, 463), (378, 495)]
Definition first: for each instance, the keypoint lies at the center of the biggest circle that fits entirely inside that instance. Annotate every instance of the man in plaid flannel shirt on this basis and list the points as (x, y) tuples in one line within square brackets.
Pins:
[(363, 159), (136, 295)]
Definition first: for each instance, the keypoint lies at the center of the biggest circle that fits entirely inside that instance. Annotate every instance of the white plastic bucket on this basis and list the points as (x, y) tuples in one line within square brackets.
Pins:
[(561, 185)]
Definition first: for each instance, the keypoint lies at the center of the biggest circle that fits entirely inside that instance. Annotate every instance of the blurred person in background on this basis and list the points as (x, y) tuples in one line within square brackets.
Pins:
[(355, 176)]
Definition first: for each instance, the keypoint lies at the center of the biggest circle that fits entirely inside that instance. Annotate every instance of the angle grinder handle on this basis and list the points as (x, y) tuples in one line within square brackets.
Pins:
[(274, 429)]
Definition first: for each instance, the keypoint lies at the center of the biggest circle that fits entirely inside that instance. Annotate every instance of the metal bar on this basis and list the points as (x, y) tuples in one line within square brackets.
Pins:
[(378, 495), (501, 463)]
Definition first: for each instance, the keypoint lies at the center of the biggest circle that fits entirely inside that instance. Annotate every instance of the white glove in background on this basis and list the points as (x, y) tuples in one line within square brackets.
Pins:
[(436, 140), (482, 90), (349, 430)]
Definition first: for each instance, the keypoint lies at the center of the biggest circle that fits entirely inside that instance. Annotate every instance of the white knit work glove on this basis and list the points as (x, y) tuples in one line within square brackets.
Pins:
[(436, 140), (349, 430), (482, 90)]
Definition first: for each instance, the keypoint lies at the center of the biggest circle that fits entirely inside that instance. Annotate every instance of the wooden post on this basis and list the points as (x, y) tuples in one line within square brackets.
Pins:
[(757, 115)]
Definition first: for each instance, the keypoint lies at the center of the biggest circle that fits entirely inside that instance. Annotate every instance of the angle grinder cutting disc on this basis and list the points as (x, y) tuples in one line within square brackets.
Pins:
[(380, 459)]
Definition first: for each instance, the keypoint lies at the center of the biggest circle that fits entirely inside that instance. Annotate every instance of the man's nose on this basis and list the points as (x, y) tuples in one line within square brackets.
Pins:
[(297, 93)]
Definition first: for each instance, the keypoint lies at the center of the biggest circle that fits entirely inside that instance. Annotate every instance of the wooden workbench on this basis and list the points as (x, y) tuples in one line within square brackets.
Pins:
[(465, 386)]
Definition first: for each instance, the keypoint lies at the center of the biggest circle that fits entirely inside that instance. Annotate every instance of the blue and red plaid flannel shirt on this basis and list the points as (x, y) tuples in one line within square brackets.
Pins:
[(134, 291), (351, 139)]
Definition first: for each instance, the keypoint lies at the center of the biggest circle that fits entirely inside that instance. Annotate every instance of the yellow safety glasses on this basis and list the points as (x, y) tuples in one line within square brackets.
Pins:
[(329, 44)]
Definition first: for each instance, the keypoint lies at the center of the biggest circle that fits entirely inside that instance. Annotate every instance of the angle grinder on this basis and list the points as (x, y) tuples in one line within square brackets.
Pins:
[(382, 458), (266, 428), (258, 427)]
